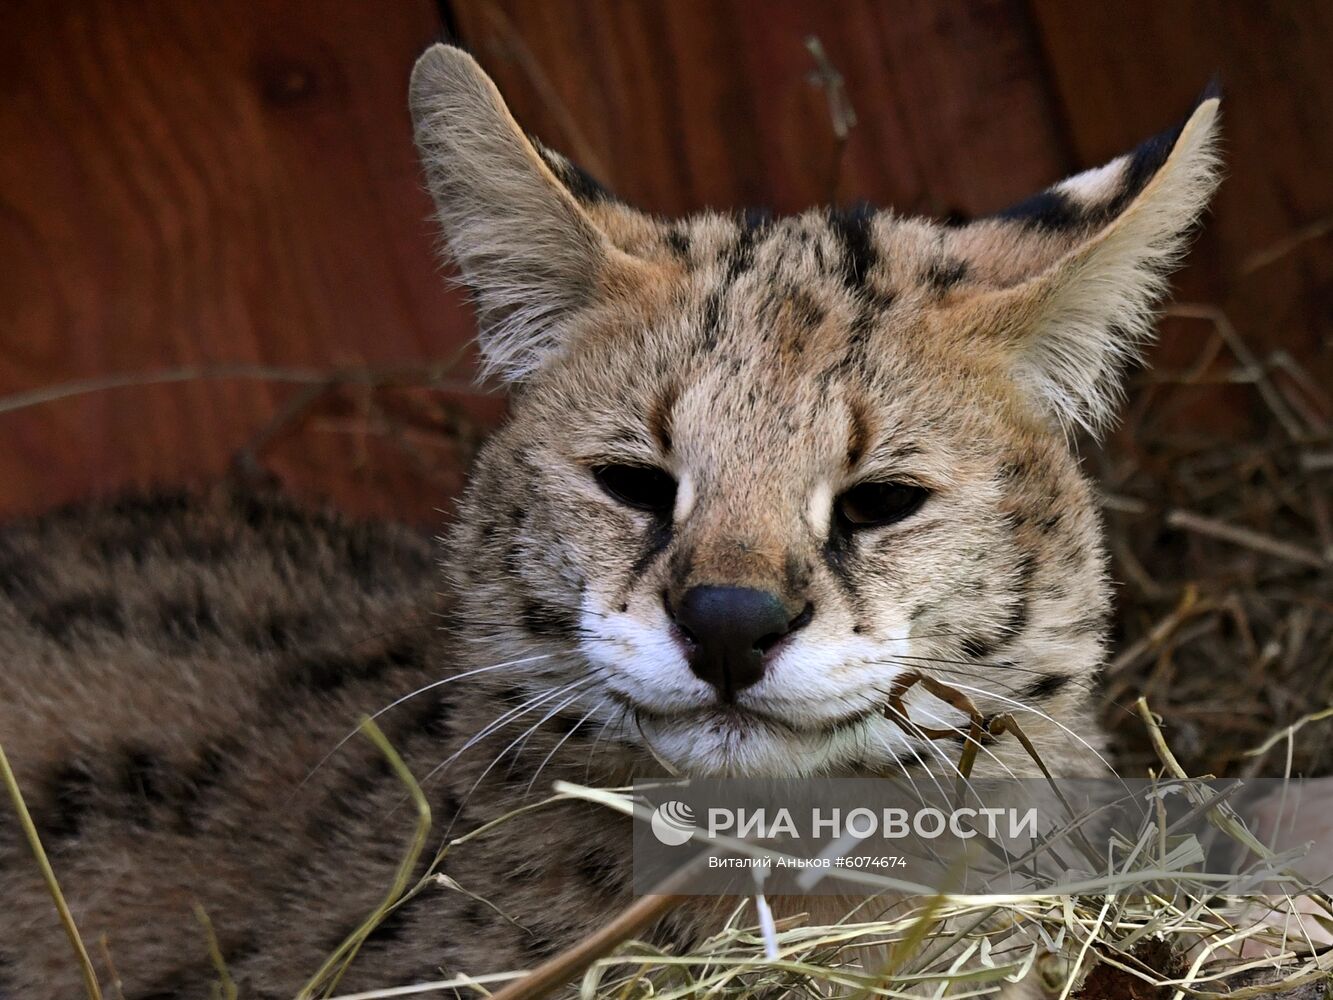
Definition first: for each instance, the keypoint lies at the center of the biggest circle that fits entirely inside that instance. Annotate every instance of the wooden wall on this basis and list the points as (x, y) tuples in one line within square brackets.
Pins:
[(186, 184)]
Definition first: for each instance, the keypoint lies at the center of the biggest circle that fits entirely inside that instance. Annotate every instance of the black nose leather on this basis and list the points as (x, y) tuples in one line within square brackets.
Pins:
[(732, 630)]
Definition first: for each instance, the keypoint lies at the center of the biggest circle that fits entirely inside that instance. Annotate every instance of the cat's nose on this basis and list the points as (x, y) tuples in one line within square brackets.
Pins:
[(732, 631)]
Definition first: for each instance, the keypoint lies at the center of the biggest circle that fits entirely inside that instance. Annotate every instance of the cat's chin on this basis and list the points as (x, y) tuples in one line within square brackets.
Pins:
[(734, 744)]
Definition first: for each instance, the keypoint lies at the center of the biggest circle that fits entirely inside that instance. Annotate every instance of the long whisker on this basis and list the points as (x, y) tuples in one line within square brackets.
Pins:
[(902, 766), (949, 766), (523, 736), (973, 664), (1038, 712), (420, 691), (621, 729), (563, 740), (503, 720), (501, 755)]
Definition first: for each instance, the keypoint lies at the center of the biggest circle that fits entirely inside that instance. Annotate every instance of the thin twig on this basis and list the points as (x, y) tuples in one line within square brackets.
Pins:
[(1189, 521), (428, 375), (336, 964), (1188, 607), (1222, 323), (49, 876), (1276, 251), (567, 965), (842, 115)]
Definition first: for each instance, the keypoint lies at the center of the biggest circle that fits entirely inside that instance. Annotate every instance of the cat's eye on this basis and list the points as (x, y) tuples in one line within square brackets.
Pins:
[(872, 504), (639, 486)]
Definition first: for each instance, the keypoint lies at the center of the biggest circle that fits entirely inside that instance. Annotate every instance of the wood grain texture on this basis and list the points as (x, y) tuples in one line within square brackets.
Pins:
[(1122, 70), (682, 104), (235, 182), (206, 183)]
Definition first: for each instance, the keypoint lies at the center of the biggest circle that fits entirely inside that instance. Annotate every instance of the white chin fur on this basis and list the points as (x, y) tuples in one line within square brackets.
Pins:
[(709, 747), (814, 682)]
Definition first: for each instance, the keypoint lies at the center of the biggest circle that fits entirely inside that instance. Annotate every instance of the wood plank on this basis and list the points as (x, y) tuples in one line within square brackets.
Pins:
[(682, 104), (1123, 71), (205, 183)]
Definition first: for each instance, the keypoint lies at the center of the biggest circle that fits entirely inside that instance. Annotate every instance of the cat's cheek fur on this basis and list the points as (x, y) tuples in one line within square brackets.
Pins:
[(640, 661)]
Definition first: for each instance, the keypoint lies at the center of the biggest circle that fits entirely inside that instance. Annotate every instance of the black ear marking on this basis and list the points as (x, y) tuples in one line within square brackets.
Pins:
[(577, 181), (1055, 211), (1048, 211)]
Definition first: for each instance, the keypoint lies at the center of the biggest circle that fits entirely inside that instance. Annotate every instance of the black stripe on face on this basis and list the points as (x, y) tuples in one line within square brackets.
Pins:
[(540, 618), (855, 354), (1047, 685), (659, 419), (655, 542), (839, 555), (796, 574), (1017, 622), (945, 274), (859, 436), (1020, 611), (679, 242), (852, 227), (976, 648), (740, 258)]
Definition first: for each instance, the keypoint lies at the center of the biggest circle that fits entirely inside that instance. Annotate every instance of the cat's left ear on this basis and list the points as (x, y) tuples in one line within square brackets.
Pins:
[(526, 245), (1075, 272)]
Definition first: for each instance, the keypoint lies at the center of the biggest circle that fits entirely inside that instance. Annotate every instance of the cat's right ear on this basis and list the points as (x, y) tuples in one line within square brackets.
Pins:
[(527, 249)]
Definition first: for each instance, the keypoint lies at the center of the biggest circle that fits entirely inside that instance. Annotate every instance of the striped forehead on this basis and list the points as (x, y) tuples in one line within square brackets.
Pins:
[(806, 300), (827, 249)]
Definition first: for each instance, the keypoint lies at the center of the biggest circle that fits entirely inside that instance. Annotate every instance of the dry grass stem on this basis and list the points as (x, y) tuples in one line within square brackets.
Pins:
[(49, 877)]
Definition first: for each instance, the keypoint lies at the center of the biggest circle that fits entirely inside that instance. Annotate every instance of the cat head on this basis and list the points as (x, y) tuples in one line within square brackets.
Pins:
[(758, 472)]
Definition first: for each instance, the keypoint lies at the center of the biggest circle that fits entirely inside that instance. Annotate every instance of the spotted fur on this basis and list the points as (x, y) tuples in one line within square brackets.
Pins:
[(178, 670)]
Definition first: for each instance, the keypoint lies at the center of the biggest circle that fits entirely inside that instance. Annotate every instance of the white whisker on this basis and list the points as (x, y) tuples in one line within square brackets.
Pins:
[(563, 740), (413, 694), (503, 720), (1038, 712)]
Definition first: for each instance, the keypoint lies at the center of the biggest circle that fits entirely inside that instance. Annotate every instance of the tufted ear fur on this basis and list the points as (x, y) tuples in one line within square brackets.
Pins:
[(525, 246), (1081, 267)]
